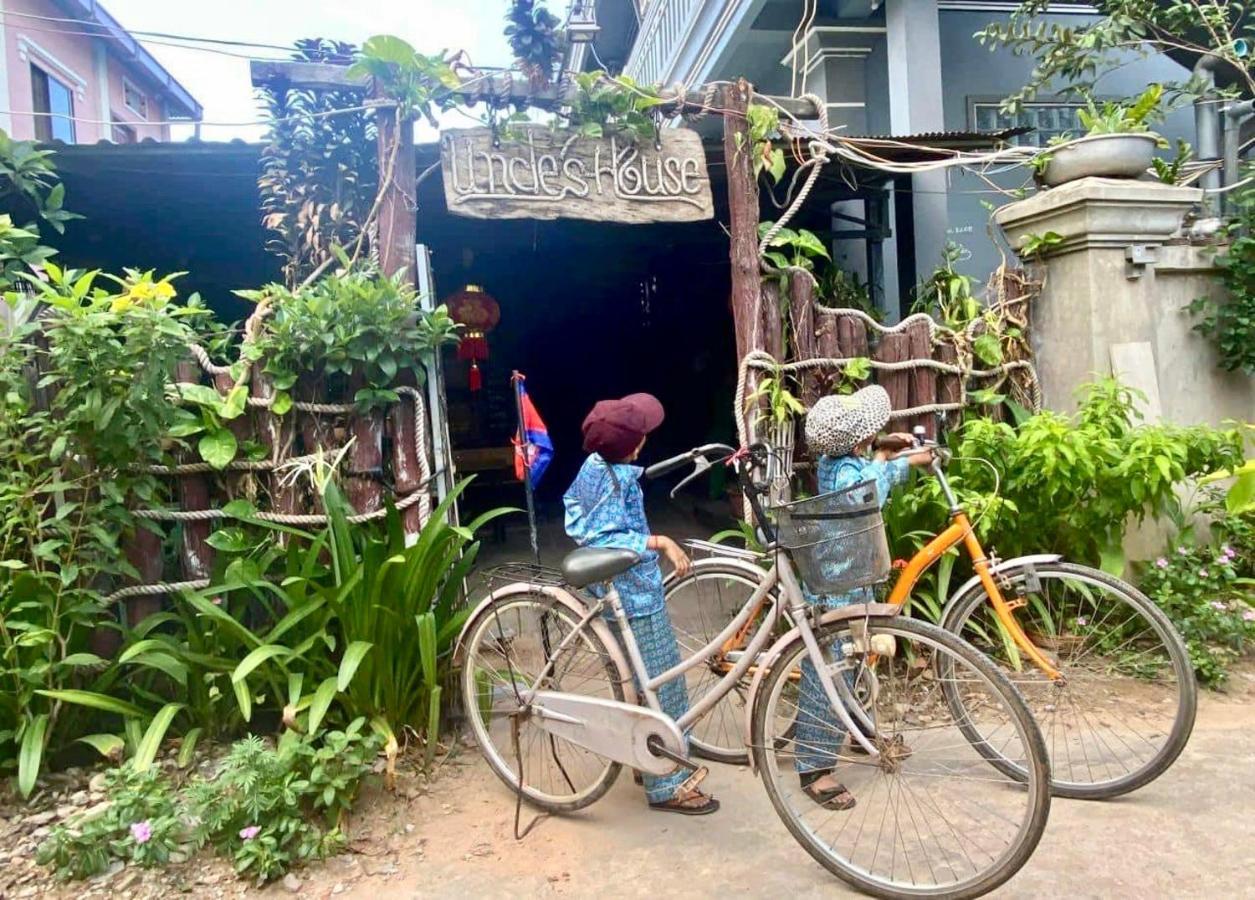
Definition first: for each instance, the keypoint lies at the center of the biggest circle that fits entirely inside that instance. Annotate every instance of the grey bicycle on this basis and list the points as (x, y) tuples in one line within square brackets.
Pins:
[(908, 715)]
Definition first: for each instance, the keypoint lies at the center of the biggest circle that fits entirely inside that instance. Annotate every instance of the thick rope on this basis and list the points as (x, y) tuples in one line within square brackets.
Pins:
[(202, 357), (160, 587), (419, 495), (819, 156)]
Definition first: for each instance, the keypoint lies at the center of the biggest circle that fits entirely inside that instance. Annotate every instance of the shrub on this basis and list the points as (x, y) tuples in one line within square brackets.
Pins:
[(140, 824), (267, 808), (1200, 590)]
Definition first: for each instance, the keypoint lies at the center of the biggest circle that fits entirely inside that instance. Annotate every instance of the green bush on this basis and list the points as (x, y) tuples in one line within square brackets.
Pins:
[(263, 807), (1064, 484), (1202, 593)]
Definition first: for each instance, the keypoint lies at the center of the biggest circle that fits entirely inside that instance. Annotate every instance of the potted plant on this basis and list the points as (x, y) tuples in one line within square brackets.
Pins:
[(1118, 142)]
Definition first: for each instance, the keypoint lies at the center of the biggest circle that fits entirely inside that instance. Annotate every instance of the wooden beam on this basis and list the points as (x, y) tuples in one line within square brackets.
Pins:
[(502, 87), (747, 289)]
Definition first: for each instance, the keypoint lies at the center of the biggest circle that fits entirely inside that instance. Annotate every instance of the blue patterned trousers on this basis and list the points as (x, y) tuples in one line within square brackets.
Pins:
[(818, 731), (660, 651)]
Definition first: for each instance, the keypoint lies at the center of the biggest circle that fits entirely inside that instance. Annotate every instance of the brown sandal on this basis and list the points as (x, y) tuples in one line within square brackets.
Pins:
[(836, 798), (688, 800)]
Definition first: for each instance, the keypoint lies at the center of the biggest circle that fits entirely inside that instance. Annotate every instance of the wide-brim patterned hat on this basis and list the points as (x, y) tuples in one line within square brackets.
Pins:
[(839, 423)]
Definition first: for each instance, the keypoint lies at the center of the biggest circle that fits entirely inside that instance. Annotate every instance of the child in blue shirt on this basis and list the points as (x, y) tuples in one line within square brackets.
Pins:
[(841, 431), (605, 507)]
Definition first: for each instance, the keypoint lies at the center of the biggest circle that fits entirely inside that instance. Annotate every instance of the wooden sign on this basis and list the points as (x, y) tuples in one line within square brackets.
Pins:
[(540, 173)]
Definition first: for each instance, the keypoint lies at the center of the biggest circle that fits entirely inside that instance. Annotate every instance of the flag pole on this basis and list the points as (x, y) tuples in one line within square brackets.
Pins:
[(525, 447)]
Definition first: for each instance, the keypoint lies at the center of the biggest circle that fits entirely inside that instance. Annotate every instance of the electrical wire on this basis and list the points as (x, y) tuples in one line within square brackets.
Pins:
[(137, 32), (153, 41)]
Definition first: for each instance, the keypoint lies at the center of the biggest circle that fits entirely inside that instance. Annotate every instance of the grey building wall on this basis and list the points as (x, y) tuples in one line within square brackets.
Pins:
[(970, 72)]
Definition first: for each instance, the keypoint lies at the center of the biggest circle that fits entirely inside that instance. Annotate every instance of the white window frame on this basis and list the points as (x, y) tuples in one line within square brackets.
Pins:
[(127, 83), (975, 103), (30, 52)]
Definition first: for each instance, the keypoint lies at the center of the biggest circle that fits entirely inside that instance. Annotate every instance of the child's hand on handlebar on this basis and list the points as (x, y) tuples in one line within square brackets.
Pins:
[(673, 552)]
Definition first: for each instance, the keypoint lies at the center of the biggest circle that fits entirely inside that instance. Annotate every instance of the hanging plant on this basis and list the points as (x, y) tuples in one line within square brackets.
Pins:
[(319, 171), (536, 38)]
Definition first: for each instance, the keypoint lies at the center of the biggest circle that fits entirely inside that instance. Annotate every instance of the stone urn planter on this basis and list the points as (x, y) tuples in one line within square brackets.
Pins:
[(1104, 155)]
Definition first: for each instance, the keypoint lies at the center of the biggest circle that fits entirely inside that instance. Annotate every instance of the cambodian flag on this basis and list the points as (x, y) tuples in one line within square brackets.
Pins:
[(532, 439)]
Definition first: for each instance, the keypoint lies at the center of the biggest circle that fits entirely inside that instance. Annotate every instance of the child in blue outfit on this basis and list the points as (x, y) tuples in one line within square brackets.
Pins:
[(605, 507), (842, 432)]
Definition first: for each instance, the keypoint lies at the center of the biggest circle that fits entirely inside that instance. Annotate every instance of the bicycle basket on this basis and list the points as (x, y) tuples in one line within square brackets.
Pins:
[(836, 540)]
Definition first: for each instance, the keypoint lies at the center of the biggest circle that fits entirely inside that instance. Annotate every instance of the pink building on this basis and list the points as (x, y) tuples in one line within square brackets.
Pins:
[(71, 73)]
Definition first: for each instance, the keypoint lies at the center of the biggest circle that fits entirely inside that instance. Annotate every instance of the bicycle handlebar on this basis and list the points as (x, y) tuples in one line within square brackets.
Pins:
[(658, 469)]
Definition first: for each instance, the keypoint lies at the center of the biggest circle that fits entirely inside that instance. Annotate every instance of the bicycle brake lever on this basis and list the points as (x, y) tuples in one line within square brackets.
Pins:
[(700, 465)]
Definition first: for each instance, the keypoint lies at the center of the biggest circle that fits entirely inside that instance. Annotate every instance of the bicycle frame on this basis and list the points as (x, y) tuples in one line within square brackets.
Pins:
[(790, 600), (960, 531)]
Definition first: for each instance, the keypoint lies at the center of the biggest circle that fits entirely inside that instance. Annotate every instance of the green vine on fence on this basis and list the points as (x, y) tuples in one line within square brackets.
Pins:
[(1229, 320)]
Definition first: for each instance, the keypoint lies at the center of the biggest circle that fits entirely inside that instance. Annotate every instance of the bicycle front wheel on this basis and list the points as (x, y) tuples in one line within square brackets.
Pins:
[(1125, 707), (701, 605), (507, 647), (932, 817)]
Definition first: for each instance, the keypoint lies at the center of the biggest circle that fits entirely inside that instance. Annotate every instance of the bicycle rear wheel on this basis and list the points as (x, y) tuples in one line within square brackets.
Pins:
[(1125, 708), (933, 817), (506, 649)]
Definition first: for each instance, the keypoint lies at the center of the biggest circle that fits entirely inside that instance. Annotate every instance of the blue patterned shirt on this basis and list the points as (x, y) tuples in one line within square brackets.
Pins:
[(836, 473), (601, 513)]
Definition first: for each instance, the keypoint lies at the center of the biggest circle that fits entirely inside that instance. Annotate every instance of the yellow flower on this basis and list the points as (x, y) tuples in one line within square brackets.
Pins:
[(164, 290), (144, 290), (120, 304)]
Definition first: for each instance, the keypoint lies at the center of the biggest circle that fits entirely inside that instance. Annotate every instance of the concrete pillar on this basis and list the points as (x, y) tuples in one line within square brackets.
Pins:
[(1116, 287), (913, 42)]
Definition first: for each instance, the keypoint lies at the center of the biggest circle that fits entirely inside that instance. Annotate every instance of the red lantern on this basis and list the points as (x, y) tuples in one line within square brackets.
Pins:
[(478, 312)]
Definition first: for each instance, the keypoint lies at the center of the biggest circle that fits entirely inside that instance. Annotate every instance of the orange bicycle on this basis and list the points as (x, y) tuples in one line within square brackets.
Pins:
[(1104, 671)]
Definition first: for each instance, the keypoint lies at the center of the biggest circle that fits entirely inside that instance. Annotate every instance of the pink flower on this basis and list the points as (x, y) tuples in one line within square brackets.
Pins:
[(142, 832), (1249, 616), (1184, 551), (1202, 573), (1227, 552), (247, 834), (1161, 563), (1081, 620), (1218, 606)]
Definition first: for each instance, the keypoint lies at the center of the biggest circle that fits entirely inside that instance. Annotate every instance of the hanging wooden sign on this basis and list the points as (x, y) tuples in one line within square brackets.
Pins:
[(540, 173)]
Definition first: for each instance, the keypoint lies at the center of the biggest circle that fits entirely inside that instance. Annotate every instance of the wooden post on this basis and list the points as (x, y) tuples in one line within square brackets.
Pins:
[(397, 227), (802, 322), (365, 460), (143, 551), (923, 381), (742, 216), (278, 433), (895, 348), (405, 471), (196, 556), (949, 387), (772, 325)]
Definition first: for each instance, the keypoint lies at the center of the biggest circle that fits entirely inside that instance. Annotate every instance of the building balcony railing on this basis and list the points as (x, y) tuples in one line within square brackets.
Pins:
[(666, 29)]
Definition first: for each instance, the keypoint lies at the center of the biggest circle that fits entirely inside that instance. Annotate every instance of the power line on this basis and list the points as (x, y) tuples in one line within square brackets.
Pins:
[(156, 34)]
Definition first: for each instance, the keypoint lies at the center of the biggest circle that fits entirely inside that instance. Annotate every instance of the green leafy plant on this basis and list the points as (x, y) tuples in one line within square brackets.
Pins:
[(29, 188), (357, 326), (267, 808), (1200, 590), (844, 290), (764, 128), (1229, 320), (1034, 245), (796, 248), (418, 83), (1077, 54), (1171, 171), (775, 403), (1118, 117), (83, 391), (139, 824), (604, 105), (947, 293), (320, 172)]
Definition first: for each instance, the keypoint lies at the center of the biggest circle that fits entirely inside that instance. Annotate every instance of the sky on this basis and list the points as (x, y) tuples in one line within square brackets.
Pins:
[(221, 83)]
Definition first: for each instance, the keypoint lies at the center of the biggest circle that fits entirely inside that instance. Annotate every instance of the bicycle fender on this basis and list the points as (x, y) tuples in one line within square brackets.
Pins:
[(576, 607), (1039, 559), (772, 654), (745, 567)]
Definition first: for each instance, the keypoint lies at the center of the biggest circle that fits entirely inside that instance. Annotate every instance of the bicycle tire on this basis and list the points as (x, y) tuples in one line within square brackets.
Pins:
[(1034, 787), (958, 618), (718, 743), (500, 759)]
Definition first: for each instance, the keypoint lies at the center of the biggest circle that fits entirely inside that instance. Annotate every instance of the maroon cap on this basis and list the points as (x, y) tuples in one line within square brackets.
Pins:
[(614, 428)]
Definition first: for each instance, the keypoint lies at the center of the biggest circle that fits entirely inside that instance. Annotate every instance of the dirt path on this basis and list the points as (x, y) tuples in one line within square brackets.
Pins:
[(1187, 835)]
